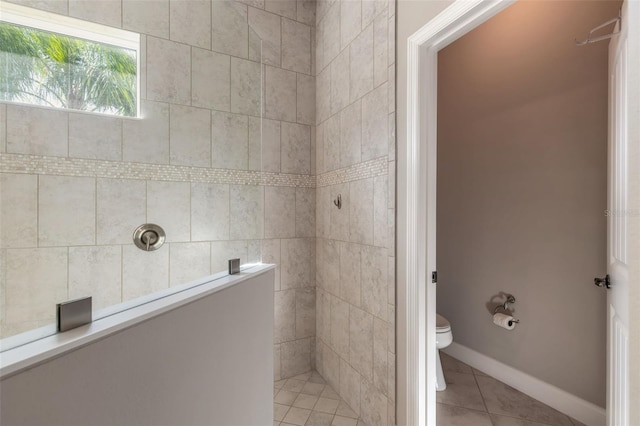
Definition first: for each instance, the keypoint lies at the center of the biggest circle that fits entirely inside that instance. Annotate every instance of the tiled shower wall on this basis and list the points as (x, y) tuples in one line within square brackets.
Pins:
[(355, 158), (75, 185), (287, 29)]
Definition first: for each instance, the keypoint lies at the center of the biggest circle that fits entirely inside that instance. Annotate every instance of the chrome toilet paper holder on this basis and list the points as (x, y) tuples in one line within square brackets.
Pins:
[(505, 307)]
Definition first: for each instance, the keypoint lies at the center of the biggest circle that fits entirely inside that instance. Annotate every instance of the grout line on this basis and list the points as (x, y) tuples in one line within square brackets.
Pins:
[(480, 391)]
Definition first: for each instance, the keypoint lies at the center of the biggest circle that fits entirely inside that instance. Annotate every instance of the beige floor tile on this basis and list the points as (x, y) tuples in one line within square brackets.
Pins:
[(293, 385), (451, 364), (448, 415), (462, 391), (279, 411), (305, 401), (505, 400), (279, 384), (313, 388), (302, 377), (319, 419), (328, 392), (478, 372), (345, 411), (326, 405), (317, 378), (297, 416), (577, 423), (285, 397), (344, 421), (511, 421)]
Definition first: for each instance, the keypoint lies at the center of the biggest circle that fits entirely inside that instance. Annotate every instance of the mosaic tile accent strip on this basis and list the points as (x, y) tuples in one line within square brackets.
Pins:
[(63, 166), (365, 170)]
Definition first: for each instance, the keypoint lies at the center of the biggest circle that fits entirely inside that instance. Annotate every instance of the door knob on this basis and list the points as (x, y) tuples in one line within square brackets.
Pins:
[(603, 282)]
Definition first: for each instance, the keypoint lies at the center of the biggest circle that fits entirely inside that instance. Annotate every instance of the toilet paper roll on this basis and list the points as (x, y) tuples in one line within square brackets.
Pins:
[(504, 321)]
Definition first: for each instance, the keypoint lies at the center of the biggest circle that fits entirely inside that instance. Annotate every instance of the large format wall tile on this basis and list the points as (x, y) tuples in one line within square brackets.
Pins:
[(36, 279), (147, 140), (280, 212), (168, 71), (375, 123), (267, 27), (95, 137), (66, 211), (306, 99), (168, 206), (122, 207), (210, 80), (108, 12), (246, 207), (361, 342), (296, 46), (245, 87), (362, 64), (19, 210), (305, 212), (38, 131), (229, 141), (280, 94), (146, 16), (209, 212), (355, 127), (229, 31), (190, 22), (349, 150), (295, 357), (190, 136), (340, 82), (188, 262), (285, 310), (144, 272), (305, 312), (295, 148), (96, 272), (3, 128), (298, 263)]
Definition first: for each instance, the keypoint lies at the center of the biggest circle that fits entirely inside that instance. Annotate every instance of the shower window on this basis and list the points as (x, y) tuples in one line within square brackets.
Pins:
[(61, 62)]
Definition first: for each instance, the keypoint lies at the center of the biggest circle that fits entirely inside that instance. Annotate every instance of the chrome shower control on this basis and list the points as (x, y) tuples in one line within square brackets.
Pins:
[(149, 237)]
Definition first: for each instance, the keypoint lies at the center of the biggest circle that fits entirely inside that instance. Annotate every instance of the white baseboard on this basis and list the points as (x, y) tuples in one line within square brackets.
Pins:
[(581, 410)]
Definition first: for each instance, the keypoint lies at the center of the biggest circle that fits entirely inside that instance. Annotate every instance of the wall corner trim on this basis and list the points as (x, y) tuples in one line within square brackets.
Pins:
[(569, 404)]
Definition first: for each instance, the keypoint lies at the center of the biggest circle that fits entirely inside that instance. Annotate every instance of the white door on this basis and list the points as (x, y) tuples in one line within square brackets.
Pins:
[(618, 230)]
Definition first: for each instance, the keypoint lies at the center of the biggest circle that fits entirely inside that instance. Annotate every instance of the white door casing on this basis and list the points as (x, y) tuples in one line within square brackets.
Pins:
[(420, 321)]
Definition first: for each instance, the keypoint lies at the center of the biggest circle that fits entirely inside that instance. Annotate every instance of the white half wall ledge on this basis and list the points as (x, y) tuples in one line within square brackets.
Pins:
[(29, 355), (563, 401)]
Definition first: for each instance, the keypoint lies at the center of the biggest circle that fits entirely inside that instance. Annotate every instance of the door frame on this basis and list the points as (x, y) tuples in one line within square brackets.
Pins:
[(458, 19)]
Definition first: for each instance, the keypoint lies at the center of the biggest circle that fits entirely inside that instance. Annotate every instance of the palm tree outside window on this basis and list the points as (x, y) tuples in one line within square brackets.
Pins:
[(46, 68)]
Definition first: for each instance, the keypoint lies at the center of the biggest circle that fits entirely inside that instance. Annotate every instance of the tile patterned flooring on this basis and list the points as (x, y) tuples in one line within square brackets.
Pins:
[(471, 399), (306, 400)]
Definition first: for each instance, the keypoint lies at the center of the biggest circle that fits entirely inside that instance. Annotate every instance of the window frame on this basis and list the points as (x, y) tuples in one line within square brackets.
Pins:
[(73, 27)]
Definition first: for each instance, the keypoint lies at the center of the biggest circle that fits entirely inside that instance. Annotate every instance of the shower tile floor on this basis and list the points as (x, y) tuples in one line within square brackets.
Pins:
[(306, 400), (474, 399)]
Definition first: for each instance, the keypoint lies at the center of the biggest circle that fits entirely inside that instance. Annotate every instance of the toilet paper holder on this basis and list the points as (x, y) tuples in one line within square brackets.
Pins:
[(505, 307)]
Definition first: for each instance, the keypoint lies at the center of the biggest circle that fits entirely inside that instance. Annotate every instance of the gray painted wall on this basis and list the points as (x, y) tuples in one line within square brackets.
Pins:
[(522, 160), (209, 362)]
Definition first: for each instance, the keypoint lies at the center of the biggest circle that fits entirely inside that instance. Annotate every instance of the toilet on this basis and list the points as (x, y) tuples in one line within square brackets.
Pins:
[(444, 337)]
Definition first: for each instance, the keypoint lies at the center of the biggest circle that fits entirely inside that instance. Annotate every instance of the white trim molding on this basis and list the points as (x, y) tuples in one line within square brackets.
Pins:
[(563, 401), (422, 54)]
